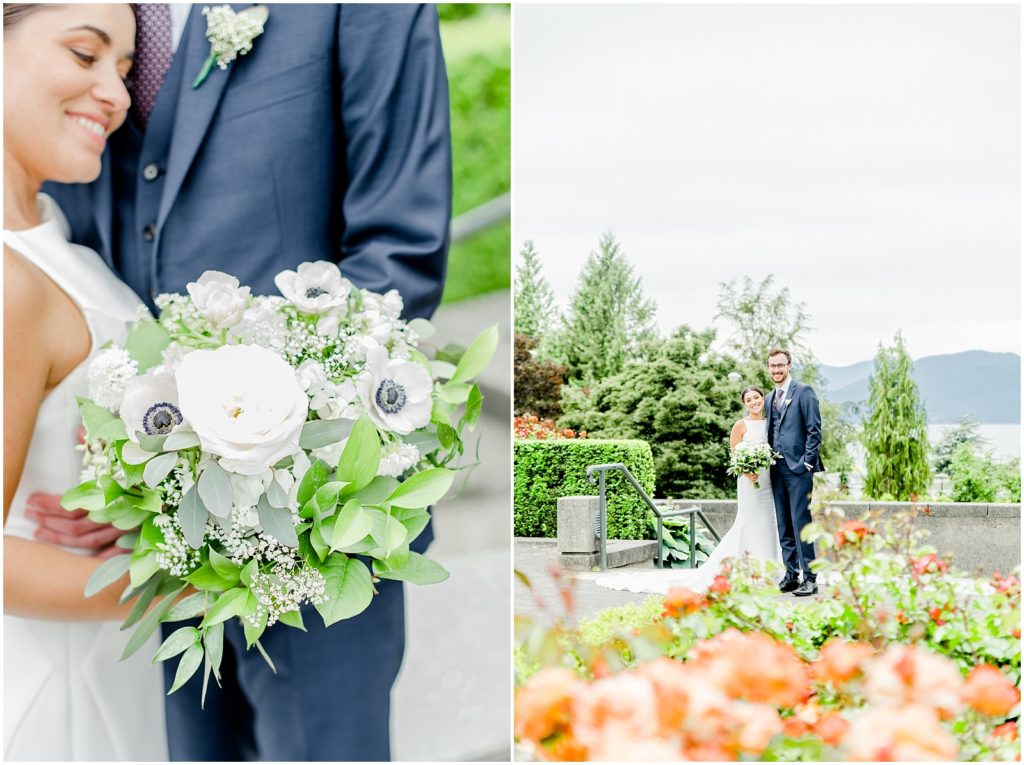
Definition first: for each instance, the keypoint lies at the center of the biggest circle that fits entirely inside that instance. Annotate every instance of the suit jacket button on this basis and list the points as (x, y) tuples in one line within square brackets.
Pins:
[(149, 232), (151, 171)]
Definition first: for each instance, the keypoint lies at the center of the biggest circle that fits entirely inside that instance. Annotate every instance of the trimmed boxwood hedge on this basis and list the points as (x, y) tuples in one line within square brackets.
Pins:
[(548, 469)]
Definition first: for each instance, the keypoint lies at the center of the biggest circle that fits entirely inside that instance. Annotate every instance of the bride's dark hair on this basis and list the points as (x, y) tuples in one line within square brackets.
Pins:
[(745, 391), (15, 12)]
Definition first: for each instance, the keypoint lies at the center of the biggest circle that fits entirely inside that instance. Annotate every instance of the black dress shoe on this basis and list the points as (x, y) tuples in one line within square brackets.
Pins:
[(807, 587), (788, 584)]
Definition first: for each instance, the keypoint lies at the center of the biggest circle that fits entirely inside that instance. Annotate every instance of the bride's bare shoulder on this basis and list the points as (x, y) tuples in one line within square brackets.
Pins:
[(25, 295), (739, 427)]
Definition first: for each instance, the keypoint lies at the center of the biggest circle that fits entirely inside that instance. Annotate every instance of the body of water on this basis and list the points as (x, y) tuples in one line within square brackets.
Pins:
[(1002, 439)]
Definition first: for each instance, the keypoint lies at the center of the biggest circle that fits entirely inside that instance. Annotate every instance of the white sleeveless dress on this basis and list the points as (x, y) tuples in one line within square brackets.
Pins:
[(66, 694), (754, 531)]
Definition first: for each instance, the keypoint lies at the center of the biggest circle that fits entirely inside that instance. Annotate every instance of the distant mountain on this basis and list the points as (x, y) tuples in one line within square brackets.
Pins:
[(981, 384)]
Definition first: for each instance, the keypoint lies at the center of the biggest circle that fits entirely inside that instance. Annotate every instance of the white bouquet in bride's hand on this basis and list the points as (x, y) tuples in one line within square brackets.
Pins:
[(748, 457), (255, 446)]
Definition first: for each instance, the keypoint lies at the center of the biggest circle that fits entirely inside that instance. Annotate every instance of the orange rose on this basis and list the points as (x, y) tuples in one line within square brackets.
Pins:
[(989, 691), (832, 728), (929, 564), (840, 661), (851, 532), (720, 585), (682, 600), (1007, 730), (544, 705)]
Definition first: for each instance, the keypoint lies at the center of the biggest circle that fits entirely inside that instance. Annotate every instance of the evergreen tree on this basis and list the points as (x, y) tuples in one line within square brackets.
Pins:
[(535, 310), (610, 321), (680, 401), (967, 431), (896, 429)]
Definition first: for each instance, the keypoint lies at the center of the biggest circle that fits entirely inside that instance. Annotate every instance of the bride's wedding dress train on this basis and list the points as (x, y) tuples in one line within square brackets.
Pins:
[(67, 695), (754, 531)]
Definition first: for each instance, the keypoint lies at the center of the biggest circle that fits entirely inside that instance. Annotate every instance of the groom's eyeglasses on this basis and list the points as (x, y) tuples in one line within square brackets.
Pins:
[(777, 366)]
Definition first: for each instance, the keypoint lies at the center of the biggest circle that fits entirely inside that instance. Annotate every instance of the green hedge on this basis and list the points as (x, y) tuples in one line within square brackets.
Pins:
[(548, 469)]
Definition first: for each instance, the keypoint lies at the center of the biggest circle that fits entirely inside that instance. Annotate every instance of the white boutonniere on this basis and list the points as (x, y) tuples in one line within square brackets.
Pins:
[(787, 402), (230, 35)]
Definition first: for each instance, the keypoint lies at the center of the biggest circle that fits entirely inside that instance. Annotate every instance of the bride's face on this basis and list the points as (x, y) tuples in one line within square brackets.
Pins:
[(754, 402), (64, 90)]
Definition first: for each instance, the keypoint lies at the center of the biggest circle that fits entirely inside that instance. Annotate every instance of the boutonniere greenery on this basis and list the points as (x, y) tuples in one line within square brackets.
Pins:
[(230, 35)]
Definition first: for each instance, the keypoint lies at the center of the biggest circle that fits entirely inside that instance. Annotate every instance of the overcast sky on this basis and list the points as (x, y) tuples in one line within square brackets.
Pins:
[(867, 155)]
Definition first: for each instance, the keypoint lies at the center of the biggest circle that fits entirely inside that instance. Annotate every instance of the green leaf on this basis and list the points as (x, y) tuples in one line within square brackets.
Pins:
[(133, 454), (176, 642), (292, 619), (189, 608), (474, 405), (252, 634), (231, 603), (182, 439), (394, 535), (250, 570), (422, 328), (223, 566), (107, 573), (187, 667), (423, 489), (142, 569), (277, 495), (85, 496), (361, 457), (148, 624), (124, 514), (375, 493), (417, 569), (319, 433), (424, 440), (446, 435), (99, 423), (127, 541), (349, 589), (145, 343), (277, 521), (414, 520), (213, 640), (215, 490), (316, 541), (327, 497), (158, 468), (315, 477), (266, 657), (454, 393), (150, 501), (206, 578), (192, 516), (477, 356), (352, 524)]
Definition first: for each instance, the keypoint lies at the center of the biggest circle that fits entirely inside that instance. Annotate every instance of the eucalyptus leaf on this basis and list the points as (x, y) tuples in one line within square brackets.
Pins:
[(182, 439), (107, 573), (192, 517), (133, 454), (127, 541), (150, 443), (148, 624), (213, 640), (188, 608), (158, 468), (277, 495), (477, 356), (145, 343), (319, 433), (442, 370), (424, 440), (215, 490), (277, 521), (422, 328), (187, 667)]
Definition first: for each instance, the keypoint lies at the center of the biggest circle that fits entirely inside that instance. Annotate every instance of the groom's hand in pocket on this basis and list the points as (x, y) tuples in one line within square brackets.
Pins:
[(57, 526)]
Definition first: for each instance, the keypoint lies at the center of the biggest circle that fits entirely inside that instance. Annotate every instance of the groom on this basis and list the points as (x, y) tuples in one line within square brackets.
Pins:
[(794, 430), (329, 140)]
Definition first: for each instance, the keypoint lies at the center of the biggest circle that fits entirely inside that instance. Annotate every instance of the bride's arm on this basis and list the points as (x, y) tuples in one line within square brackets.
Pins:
[(40, 581), (737, 433)]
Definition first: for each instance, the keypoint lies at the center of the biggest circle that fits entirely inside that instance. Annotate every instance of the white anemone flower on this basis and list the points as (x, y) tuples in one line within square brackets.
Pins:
[(150, 405), (245, 403), (219, 299), (395, 393), (315, 288)]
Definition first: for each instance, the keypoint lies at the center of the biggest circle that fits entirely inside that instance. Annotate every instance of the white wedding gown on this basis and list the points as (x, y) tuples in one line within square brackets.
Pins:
[(66, 694), (754, 531)]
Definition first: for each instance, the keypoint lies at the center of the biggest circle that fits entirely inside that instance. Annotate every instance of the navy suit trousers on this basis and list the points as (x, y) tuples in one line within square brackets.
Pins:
[(792, 490)]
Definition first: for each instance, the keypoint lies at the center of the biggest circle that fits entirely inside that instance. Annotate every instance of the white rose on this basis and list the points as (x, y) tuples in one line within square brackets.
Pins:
[(219, 299), (315, 288), (249, 488), (395, 393), (150, 405), (245, 404)]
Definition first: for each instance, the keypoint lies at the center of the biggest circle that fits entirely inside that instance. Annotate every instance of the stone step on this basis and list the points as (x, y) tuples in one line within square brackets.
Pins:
[(621, 552)]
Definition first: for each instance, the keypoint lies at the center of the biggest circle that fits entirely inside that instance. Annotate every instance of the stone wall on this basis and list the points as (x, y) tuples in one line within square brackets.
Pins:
[(983, 537)]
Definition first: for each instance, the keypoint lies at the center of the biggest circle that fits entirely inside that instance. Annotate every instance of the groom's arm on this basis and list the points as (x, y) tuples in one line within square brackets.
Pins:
[(812, 419), (397, 153)]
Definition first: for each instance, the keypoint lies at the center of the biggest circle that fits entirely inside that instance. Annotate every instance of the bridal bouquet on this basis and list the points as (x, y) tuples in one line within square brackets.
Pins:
[(255, 446), (751, 458)]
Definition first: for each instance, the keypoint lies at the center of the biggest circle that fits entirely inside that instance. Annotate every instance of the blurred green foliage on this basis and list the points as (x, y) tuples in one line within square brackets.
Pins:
[(476, 40)]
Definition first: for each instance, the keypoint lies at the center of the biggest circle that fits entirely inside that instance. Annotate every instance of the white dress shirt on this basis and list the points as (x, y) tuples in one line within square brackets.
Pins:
[(179, 15)]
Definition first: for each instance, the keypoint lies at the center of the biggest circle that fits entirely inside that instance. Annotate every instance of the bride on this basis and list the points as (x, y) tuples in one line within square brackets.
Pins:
[(66, 694), (754, 530)]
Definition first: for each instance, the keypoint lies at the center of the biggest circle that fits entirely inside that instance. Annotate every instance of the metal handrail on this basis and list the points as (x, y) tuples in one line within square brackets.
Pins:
[(481, 218), (601, 522)]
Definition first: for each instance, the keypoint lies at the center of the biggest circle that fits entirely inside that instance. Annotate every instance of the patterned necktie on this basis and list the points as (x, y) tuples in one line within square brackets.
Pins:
[(152, 56), (778, 399)]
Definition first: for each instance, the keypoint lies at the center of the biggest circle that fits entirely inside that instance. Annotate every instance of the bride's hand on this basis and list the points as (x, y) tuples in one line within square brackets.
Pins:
[(752, 477)]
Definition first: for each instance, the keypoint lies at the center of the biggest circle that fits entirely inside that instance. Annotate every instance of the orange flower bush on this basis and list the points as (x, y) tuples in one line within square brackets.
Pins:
[(990, 692), (532, 426), (840, 661), (682, 600)]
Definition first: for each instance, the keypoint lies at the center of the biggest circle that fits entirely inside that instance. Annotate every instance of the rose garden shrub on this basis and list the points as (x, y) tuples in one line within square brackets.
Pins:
[(901, 658), (548, 469)]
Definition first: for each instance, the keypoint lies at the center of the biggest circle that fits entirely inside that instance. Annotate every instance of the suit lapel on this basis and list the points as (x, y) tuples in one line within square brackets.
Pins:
[(103, 208), (195, 109)]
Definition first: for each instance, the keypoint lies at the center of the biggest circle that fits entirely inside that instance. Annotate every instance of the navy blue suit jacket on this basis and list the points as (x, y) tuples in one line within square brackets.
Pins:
[(799, 428)]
